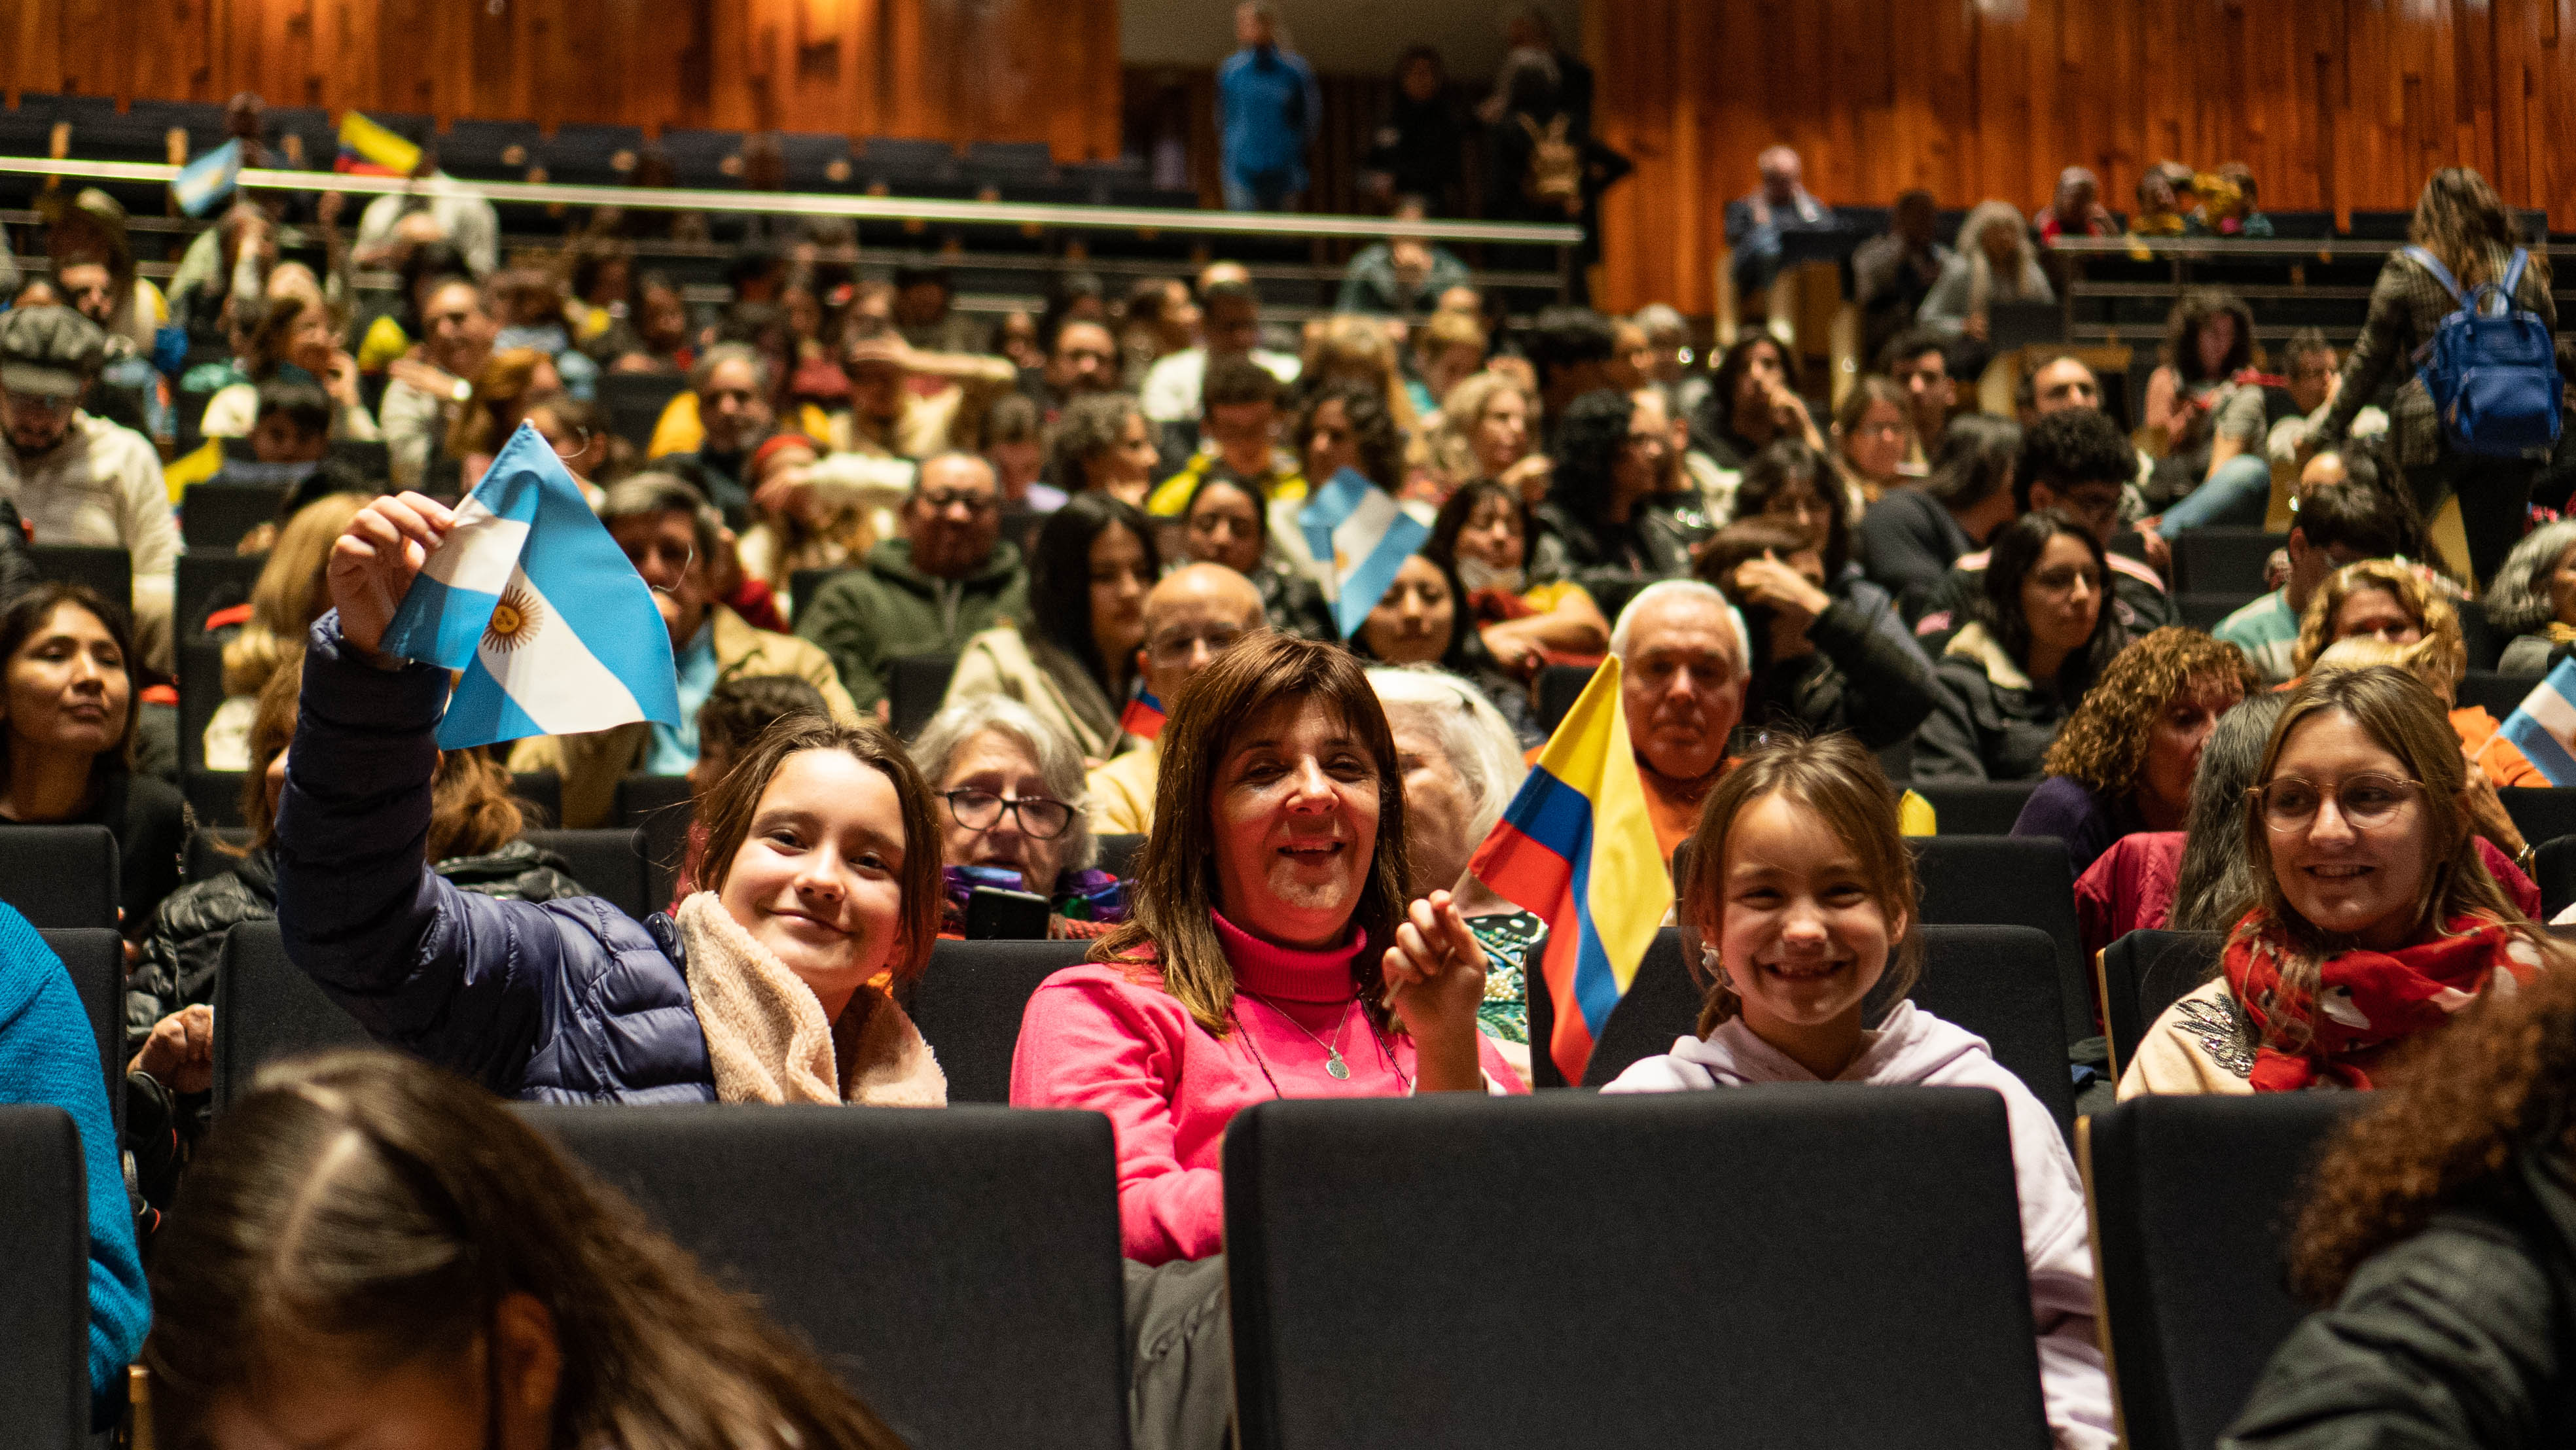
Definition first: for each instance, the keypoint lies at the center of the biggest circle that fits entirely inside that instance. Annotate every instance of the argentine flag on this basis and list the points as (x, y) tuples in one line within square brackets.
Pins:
[(529, 596), (2543, 726), (1365, 535), (204, 182)]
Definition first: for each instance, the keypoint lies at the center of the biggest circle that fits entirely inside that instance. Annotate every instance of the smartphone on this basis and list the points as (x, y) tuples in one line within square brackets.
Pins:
[(993, 914)]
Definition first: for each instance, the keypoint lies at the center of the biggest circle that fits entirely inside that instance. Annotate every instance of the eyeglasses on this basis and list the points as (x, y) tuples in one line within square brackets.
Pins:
[(981, 810), (948, 498), (2367, 800), (2061, 580), (1175, 648)]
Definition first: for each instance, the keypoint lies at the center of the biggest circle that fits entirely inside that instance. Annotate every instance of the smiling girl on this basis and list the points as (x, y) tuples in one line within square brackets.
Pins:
[(2374, 923), (1805, 892), (821, 873)]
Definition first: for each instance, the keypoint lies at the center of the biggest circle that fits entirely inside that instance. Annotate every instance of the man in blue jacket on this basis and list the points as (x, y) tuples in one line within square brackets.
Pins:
[(1267, 113)]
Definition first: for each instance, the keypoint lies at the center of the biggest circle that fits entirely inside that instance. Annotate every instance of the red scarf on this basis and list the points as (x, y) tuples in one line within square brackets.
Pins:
[(2372, 998)]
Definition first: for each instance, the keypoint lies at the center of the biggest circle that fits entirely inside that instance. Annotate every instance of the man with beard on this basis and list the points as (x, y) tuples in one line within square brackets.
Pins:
[(79, 479)]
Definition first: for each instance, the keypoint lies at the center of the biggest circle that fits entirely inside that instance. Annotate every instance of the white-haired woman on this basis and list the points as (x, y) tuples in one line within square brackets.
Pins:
[(1015, 815), (1995, 262), (1461, 766), (2533, 598)]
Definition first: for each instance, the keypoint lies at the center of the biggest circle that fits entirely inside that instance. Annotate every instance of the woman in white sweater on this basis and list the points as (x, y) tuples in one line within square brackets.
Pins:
[(1806, 893)]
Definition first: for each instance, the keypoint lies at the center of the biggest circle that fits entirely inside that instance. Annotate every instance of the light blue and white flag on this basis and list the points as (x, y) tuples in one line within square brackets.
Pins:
[(2543, 726), (1365, 536), (530, 597), (202, 184)]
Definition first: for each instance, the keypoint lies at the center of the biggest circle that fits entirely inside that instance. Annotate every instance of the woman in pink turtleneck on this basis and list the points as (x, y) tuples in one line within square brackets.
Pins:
[(1270, 952)]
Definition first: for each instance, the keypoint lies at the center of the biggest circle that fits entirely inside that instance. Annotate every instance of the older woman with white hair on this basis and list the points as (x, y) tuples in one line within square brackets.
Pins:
[(1015, 816), (1995, 262), (2533, 598)]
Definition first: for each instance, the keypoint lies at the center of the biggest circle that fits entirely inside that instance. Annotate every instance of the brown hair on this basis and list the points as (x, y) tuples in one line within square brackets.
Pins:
[(2192, 311), (1834, 777), (2495, 1084), (1171, 907), (272, 729), (505, 379), (729, 806), (2412, 590), (2402, 717), (2460, 220), (363, 1207), (472, 811), (289, 594), (2103, 745)]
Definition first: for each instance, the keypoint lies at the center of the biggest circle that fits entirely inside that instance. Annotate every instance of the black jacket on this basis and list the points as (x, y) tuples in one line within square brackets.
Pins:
[(1907, 542), (2138, 599), (1866, 675), (1988, 721), (1614, 561), (2459, 1336)]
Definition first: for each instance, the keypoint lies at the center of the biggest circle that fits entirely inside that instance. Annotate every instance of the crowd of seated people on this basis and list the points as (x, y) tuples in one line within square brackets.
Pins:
[(1073, 565)]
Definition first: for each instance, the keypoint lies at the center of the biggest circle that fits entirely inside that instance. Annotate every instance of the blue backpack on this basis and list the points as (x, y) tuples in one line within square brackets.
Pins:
[(2491, 368)]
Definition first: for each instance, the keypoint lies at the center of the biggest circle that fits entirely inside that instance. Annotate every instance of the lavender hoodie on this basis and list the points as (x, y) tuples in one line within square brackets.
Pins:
[(1913, 1048)]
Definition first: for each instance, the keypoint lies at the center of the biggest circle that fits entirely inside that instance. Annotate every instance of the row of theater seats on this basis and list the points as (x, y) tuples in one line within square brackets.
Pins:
[(603, 155), (961, 1268)]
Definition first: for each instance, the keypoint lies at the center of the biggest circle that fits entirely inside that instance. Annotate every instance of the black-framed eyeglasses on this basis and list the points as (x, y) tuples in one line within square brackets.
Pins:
[(1042, 818)]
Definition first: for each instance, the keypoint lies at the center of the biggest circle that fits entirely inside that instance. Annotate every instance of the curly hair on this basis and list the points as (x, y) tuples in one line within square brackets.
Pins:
[(2104, 743), (1091, 424), (2192, 312), (1381, 441), (1588, 440), (2460, 219), (2496, 1083), (2518, 601), (2409, 584)]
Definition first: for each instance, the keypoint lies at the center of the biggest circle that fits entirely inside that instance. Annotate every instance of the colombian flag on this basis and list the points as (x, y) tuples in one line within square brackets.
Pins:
[(1577, 847), (1144, 717), (367, 149)]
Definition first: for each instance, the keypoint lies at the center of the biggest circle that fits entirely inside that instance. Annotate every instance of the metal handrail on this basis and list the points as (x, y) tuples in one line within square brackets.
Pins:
[(2251, 248), (798, 203)]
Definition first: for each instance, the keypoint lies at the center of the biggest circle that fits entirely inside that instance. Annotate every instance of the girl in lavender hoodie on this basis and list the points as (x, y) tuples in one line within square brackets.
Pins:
[(1805, 891)]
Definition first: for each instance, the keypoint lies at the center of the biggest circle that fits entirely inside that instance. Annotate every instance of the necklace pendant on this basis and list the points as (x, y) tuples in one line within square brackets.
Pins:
[(1333, 1064)]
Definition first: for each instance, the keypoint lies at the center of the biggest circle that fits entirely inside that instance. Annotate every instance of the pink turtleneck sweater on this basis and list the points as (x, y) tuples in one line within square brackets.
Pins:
[(1110, 1039)]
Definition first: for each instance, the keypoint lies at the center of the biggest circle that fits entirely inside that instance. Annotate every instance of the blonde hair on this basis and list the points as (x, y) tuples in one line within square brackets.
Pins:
[(2413, 590), (1358, 348), (289, 594), (1453, 449)]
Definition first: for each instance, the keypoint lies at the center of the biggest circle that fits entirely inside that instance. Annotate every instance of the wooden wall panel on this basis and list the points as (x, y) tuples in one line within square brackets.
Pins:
[(2337, 105), (960, 70)]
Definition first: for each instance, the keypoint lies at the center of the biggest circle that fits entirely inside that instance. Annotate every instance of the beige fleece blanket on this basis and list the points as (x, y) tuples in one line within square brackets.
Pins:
[(767, 1038)]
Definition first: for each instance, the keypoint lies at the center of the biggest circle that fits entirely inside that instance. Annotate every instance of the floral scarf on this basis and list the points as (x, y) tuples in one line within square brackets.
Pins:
[(2366, 999)]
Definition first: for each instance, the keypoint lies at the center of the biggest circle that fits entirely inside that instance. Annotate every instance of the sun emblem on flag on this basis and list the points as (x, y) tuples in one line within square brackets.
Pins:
[(515, 620)]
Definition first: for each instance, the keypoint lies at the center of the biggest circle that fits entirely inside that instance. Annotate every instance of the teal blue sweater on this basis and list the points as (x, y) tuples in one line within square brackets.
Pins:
[(49, 1055)]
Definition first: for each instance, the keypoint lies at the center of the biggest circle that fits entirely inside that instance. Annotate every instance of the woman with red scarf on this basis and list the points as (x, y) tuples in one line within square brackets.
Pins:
[(2374, 921)]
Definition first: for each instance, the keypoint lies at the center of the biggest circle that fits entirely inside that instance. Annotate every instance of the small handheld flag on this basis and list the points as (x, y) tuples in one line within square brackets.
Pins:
[(1577, 847), (202, 184), (1366, 535), (2543, 726), (367, 149), (1144, 715), (529, 596)]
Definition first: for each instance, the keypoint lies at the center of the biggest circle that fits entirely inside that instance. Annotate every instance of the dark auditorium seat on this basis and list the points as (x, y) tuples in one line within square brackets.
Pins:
[(207, 856), (2193, 1200), (1118, 853), (95, 957), (657, 805), (1559, 686), (1603, 1215), (1986, 808), (804, 584), (44, 1281), (1662, 1003), (215, 795), (2011, 881), (968, 1005), (2500, 694), (105, 568), (2554, 872), (59, 876), (2223, 561), (540, 797), (2206, 612), (203, 577), (915, 684), (609, 864), (959, 1270), (2145, 972), (266, 1009), (2540, 814), (635, 402), (216, 513), (201, 693)]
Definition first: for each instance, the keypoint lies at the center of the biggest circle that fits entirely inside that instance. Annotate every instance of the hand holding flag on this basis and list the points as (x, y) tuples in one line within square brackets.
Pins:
[(527, 594)]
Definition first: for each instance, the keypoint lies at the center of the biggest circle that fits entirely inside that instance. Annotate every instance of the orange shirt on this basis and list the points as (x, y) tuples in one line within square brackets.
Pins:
[(1674, 805), (2504, 764)]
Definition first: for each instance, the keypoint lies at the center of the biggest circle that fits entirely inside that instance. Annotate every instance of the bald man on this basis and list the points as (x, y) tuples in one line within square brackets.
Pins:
[(1189, 620)]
